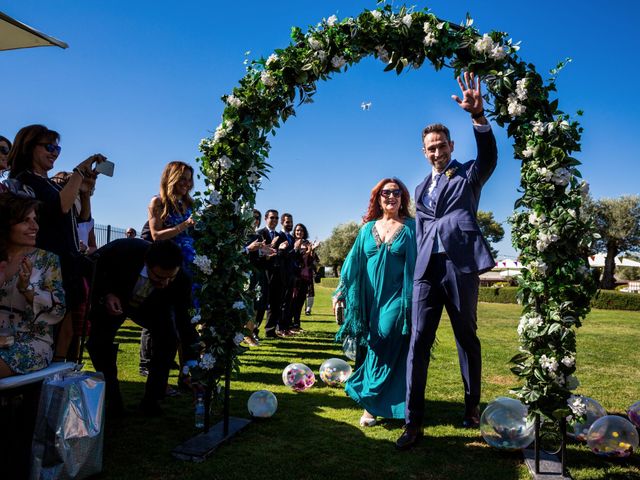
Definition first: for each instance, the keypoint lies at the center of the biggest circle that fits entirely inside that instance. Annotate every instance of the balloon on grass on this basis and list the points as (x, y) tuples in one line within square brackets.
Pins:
[(335, 372), (298, 376), (504, 424), (634, 414), (595, 411), (612, 436), (262, 404)]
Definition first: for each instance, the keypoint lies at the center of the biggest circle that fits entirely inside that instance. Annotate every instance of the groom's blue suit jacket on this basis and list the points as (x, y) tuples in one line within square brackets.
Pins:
[(454, 213)]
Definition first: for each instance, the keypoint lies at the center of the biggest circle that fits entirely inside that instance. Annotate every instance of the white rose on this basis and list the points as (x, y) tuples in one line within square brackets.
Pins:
[(577, 405), (315, 44), (220, 133), (383, 54), (538, 127), (561, 177), (234, 101), (376, 14), (548, 363), (407, 20), (536, 220), (321, 55), (544, 173), (427, 28), (521, 89), (207, 362), (528, 152), (429, 40), (515, 108), (215, 197), (272, 58), (568, 361), (267, 79), (332, 20), (225, 162), (203, 263), (497, 52), (484, 44), (338, 61)]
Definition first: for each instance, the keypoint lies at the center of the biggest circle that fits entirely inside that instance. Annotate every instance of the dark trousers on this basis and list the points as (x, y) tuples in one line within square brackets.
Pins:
[(164, 338), (297, 302), (274, 311), (443, 285)]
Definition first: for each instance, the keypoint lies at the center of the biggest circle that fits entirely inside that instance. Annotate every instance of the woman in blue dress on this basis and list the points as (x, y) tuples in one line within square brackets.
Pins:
[(170, 219), (376, 283)]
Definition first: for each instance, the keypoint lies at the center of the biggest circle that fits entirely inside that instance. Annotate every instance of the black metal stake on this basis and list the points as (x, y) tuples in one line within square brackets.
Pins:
[(536, 445)]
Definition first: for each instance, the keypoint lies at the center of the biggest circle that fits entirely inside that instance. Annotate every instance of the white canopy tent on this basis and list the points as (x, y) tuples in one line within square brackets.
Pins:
[(598, 259), (14, 34)]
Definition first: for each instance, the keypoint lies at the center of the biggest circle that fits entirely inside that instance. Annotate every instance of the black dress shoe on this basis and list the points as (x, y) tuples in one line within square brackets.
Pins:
[(410, 437), (471, 418)]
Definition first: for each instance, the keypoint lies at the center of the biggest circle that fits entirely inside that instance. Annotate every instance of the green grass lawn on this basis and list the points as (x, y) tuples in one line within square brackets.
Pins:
[(315, 434)]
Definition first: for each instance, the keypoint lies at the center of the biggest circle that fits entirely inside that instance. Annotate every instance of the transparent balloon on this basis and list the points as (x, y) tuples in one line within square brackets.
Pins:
[(349, 347), (612, 436), (262, 404), (298, 376), (634, 414), (335, 372), (504, 424), (595, 411)]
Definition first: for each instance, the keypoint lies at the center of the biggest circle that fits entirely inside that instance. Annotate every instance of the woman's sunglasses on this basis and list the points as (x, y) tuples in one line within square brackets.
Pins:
[(51, 148), (4, 150), (389, 193)]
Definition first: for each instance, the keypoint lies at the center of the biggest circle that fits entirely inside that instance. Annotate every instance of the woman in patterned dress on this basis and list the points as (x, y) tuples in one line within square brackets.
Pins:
[(32, 296)]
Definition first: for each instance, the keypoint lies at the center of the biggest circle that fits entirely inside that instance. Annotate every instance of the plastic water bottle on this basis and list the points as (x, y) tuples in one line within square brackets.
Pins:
[(199, 411)]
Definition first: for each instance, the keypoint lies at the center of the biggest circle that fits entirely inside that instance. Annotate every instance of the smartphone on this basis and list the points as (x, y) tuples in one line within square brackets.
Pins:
[(105, 168)]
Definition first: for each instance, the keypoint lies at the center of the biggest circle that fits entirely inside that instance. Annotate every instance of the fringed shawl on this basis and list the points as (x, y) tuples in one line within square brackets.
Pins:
[(351, 286)]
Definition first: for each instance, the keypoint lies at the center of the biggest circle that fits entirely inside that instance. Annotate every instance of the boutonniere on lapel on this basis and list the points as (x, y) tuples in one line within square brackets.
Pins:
[(450, 172)]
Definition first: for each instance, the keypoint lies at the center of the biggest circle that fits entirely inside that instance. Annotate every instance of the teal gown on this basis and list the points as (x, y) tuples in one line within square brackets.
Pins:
[(376, 284)]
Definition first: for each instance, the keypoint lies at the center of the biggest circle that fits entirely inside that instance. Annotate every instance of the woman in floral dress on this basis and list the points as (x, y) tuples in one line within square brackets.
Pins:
[(32, 296)]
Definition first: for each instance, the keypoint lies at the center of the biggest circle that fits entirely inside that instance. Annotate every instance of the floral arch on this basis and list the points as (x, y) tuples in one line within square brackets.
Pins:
[(549, 231)]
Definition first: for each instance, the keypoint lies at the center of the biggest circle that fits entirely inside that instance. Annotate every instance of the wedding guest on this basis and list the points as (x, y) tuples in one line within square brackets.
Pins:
[(273, 272), (452, 253), (131, 233), (5, 148), (31, 296), (33, 155), (376, 285), (169, 218), (145, 282), (305, 261)]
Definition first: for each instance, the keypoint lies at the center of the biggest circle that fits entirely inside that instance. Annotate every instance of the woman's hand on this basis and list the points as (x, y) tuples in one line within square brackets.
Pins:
[(24, 275), (255, 245), (112, 304), (86, 167)]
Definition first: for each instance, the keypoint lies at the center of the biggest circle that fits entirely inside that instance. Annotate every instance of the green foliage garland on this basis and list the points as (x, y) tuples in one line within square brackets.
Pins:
[(548, 228)]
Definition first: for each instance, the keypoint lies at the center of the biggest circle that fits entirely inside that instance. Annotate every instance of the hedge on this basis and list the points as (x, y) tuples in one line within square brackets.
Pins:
[(604, 299)]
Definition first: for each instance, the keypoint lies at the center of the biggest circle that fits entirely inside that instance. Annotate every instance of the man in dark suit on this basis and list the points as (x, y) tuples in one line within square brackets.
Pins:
[(273, 271), (451, 255), (144, 282), (287, 271)]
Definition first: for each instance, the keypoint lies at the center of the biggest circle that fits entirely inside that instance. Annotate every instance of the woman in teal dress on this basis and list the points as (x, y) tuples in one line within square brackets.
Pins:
[(376, 283)]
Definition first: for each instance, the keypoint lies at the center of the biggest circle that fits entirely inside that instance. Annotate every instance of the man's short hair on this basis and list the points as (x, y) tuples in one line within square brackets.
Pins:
[(266, 215), (285, 215), (436, 128), (165, 254)]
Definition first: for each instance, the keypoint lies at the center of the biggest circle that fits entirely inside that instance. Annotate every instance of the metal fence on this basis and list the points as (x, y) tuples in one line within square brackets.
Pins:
[(106, 233)]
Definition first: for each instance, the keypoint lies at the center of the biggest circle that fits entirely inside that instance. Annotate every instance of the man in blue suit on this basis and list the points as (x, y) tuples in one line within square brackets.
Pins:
[(451, 255)]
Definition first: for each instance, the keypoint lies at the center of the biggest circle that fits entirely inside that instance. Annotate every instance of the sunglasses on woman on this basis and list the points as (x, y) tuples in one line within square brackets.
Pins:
[(391, 193), (51, 148), (4, 150)]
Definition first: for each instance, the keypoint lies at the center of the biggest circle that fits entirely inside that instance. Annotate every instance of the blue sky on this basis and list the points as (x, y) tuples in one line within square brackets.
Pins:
[(141, 83)]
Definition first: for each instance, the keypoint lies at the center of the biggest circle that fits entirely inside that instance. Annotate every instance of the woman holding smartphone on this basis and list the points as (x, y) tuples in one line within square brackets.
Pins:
[(34, 153)]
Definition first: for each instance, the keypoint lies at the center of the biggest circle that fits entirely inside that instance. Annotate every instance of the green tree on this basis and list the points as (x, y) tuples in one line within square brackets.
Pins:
[(490, 228), (618, 224), (335, 249)]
